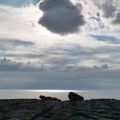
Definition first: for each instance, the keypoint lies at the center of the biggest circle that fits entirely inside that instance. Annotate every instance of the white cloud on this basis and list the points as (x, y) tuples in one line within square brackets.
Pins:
[(22, 23)]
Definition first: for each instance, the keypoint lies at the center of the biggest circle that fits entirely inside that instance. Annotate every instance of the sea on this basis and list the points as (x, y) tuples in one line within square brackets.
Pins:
[(61, 94)]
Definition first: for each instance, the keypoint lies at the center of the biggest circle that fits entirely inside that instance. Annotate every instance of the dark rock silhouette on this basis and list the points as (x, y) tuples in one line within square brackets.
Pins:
[(42, 97), (75, 97)]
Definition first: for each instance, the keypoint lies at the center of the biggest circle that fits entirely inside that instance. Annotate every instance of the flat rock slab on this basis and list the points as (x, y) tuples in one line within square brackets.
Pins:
[(34, 109)]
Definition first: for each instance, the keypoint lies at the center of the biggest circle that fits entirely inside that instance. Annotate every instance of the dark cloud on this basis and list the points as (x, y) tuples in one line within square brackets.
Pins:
[(109, 9), (107, 38), (61, 16), (117, 19), (107, 6)]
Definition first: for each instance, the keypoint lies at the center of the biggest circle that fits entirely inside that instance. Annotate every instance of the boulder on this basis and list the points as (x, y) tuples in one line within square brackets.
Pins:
[(75, 97), (42, 97)]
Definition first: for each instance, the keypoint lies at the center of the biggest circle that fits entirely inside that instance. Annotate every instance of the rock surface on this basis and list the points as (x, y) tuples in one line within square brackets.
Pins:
[(42, 97), (75, 97), (34, 109)]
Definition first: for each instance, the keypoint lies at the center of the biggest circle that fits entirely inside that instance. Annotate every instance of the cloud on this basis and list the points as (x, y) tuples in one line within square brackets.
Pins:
[(26, 55), (98, 20), (15, 42), (110, 9), (74, 61), (10, 65), (9, 43), (107, 6), (61, 16), (85, 79), (107, 38), (18, 3), (117, 19)]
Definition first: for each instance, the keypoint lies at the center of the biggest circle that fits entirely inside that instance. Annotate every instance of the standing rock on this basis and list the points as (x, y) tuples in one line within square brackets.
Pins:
[(75, 97)]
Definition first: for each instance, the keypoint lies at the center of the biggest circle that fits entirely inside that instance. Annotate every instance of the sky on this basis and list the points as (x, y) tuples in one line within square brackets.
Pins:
[(60, 44)]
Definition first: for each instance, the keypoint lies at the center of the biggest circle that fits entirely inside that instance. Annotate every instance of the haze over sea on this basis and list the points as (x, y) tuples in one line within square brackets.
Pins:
[(18, 87)]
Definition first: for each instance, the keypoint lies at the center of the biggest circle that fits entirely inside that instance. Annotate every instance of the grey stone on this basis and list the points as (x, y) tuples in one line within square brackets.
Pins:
[(75, 97), (42, 97)]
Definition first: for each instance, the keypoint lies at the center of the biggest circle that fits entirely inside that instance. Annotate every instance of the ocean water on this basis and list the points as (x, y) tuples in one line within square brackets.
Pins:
[(61, 94)]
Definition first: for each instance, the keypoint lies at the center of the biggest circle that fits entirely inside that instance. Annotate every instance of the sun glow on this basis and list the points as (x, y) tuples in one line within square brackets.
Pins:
[(54, 91)]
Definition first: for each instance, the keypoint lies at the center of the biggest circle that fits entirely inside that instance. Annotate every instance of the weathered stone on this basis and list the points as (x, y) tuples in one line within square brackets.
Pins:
[(42, 97), (75, 97)]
